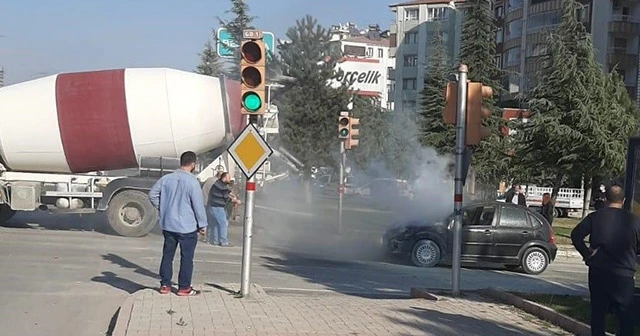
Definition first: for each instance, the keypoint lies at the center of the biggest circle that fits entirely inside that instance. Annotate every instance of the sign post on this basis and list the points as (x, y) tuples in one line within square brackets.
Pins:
[(249, 151)]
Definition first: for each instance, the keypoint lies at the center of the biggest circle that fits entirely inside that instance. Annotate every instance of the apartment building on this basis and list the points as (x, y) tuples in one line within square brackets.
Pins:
[(614, 25), (367, 61), (416, 22)]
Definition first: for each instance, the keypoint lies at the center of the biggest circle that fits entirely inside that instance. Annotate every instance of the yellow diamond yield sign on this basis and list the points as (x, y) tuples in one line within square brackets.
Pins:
[(249, 150)]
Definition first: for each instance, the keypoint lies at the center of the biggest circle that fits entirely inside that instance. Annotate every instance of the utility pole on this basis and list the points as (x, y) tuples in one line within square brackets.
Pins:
[(461, 116)]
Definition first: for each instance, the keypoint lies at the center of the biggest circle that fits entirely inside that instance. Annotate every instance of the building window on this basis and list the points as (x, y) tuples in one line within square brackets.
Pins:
[(498, 61), (437, 14), (537, 49), (354, 51), (619, 46), (499, 11), (515, 4), (499, 35), (409, 84), (408, 104), (411, 38), (543, 20), (411, 14), (513, 83), (511, 56), (513, 30), (380, 53), (411, 60), (584, 14)]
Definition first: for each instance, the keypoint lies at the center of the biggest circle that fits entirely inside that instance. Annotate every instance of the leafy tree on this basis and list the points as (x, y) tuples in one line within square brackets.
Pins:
[(432, 131), (581, 117), (309, 105), (477, 51), (209, 61)]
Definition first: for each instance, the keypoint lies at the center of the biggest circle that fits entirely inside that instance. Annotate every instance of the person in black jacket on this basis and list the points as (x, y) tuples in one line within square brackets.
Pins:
[(614, 242), (547, 208), (515, 196)]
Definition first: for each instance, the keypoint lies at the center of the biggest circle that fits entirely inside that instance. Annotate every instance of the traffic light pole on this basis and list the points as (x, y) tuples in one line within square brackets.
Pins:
[(247, 231), (461, 116), (341, 185)]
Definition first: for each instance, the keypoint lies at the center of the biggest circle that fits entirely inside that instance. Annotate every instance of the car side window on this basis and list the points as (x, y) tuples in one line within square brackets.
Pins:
[(513, 217), (478, 216)]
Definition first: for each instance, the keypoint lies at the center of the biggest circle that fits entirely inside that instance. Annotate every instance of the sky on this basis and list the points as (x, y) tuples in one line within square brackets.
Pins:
[(43, 37)]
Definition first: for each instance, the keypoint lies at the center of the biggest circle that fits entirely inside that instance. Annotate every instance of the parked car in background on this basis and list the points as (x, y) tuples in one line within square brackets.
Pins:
[(494, 232)]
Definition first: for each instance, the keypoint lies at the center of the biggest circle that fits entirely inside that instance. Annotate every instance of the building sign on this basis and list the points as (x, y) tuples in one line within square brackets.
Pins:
[(365, 74)]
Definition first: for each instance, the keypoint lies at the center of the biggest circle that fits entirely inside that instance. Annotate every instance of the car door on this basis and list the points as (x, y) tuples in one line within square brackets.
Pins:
[(477, 232), (514, 230)]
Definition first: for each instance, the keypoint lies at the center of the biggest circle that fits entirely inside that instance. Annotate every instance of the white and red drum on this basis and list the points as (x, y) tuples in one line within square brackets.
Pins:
[(105, 120)]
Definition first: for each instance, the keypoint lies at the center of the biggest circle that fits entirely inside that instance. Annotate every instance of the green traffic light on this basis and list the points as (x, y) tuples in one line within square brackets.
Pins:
[(344, 132), (251, 101)]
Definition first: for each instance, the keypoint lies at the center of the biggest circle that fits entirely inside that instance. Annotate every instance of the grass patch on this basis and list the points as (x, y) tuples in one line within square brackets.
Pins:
[(576, 307), (562, 229)]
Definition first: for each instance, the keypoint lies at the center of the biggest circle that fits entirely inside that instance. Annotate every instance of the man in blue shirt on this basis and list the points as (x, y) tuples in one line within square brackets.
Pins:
[(182, 215)]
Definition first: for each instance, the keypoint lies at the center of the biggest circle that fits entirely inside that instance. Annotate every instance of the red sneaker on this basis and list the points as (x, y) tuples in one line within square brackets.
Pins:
[(188, 292), (165, 290)]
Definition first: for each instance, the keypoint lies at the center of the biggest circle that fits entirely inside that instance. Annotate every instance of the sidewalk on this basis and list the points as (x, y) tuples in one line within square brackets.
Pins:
[(217, 312)]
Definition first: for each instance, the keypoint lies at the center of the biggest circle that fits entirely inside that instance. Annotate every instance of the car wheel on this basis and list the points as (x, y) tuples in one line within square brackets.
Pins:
[(535, 260), (425, 253)]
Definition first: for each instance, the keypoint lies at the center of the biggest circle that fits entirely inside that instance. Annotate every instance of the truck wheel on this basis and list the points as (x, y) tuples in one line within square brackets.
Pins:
[(131, 214), (6, 213)]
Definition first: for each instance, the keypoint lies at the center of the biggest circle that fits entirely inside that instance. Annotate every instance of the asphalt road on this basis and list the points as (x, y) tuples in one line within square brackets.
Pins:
[(60, 277)]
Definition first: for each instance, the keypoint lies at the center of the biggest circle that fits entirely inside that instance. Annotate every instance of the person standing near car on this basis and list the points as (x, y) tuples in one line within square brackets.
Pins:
[(179, 200), (547, 208), (515, 196), (614, 242)]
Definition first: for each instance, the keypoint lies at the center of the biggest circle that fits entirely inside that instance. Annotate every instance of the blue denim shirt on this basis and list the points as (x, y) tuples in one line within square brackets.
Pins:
[(179, 199)]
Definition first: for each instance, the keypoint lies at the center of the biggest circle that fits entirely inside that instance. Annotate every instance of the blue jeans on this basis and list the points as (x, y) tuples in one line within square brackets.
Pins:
[(187, 243), (218, 225)]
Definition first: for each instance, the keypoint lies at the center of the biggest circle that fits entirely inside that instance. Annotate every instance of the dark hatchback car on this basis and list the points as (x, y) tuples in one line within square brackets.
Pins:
[(492, 232)]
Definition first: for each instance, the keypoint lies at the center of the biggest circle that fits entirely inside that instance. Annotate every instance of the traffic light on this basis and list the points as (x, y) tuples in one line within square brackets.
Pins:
[(343, 125), (476, 113), (353, 132), (450, 103), (253, 76)]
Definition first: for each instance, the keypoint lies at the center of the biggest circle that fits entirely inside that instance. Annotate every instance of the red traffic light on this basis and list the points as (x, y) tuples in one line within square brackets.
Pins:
[(251, 52)]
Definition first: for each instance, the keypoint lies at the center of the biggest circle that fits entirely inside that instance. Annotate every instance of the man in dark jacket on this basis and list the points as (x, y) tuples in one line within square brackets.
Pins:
[(515, 196), (614, 242), (219, 195)]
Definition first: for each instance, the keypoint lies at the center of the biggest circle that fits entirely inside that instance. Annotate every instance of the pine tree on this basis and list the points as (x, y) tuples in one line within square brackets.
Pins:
[(477, 51), (240, 21), (310, 106), (433, 132), (581, 117), (209, 61)]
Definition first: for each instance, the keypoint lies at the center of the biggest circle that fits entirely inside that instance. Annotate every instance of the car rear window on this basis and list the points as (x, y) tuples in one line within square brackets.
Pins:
[(535, 221)]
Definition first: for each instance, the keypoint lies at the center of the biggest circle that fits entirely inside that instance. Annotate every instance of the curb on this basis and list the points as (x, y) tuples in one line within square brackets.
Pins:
[(124, 315), (545, 313)]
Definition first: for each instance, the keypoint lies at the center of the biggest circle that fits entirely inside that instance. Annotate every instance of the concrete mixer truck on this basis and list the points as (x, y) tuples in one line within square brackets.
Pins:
[(64, 137)]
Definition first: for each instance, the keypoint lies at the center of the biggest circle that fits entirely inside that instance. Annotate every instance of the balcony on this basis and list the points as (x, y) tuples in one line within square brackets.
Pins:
[(624, 25), (622, 58)]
